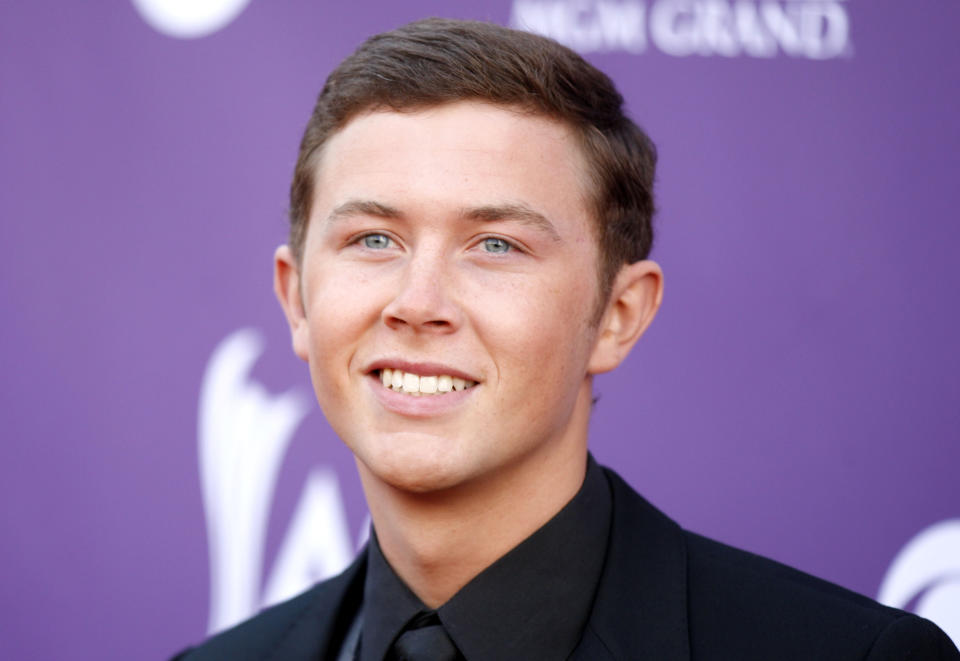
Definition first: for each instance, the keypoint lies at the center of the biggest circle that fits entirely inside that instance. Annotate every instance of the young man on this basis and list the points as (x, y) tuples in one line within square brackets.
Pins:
[(470, 222)]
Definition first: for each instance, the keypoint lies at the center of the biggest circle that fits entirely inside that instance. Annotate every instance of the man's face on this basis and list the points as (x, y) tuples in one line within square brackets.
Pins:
[(452, 246)]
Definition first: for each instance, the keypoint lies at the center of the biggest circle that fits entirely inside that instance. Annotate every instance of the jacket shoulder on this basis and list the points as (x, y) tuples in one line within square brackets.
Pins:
[(755, 607), (668, 593), (303, 627)]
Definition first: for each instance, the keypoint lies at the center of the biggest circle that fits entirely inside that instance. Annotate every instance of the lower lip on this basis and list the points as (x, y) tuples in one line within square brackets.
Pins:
[(424, 406)]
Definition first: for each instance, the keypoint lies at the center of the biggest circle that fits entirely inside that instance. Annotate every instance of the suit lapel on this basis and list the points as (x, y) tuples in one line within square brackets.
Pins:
[(311, 635), (641, 605)]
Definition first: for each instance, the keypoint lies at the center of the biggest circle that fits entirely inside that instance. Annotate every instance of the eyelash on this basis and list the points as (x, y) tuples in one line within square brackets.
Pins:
[(512, 246), (363, 238), (359, 240)]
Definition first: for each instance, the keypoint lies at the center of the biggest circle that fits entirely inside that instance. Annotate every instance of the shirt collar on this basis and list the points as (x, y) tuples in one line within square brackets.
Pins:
[(388, 604), (531, 603)]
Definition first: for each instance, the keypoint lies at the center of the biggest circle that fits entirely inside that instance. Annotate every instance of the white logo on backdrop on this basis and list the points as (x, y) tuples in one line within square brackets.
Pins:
[(189, 19), (812, 29), (244, 432), (927, 570)]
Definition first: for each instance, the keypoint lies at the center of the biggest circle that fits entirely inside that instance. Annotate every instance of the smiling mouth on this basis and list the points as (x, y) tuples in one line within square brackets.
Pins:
[(417, 384)]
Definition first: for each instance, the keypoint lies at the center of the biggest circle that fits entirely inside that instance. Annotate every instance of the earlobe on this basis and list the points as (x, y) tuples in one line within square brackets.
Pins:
[(286, 285), (634, 300)]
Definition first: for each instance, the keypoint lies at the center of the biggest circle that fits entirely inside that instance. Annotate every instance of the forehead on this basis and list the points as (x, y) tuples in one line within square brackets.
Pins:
[(460, 155)]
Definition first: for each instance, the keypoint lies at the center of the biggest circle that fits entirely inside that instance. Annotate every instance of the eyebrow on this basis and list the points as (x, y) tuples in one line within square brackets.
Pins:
[(513, 211), (363, 208), (518, 212)]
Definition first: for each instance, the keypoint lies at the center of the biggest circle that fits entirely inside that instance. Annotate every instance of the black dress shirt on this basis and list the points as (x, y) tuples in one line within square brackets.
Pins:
[(532, 603)]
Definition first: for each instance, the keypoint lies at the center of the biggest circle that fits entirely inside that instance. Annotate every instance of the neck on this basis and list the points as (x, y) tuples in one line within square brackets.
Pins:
[(437, 542)]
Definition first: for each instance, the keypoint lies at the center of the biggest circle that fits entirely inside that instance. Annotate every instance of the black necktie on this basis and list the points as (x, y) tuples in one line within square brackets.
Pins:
[(424, 639)]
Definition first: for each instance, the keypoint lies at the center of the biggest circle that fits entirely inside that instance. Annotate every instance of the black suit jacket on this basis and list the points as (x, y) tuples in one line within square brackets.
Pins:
[(665, 594)]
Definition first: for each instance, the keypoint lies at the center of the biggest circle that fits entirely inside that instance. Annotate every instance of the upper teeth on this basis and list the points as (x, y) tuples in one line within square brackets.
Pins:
[(416, 384)]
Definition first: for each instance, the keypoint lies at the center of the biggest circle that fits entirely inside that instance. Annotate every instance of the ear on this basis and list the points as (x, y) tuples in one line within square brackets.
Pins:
[(634, 300), (286, 285)]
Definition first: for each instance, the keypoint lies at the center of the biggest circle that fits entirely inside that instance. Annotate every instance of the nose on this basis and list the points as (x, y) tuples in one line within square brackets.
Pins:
[(423, 301)]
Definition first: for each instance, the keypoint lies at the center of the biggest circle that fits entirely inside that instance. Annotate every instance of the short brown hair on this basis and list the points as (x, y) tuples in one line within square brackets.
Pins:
[(435, 61)]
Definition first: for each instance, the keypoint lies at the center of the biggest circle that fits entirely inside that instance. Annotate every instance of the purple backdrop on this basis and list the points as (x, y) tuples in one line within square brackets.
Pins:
[(802, 376)]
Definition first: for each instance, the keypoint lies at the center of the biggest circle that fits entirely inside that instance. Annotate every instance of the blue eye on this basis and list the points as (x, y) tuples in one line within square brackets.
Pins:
[(496, 246), (376, 241)]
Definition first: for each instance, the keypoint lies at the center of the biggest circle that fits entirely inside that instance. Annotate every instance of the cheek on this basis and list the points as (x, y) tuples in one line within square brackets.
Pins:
[(340, 306), (541, 328)]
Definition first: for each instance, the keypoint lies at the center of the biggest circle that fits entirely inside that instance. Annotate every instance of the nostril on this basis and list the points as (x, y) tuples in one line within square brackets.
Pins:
[(439, 315)]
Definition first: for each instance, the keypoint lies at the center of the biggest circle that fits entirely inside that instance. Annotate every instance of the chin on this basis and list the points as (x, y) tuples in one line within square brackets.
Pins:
[(420, 484), (414, 465), (421, 478)]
